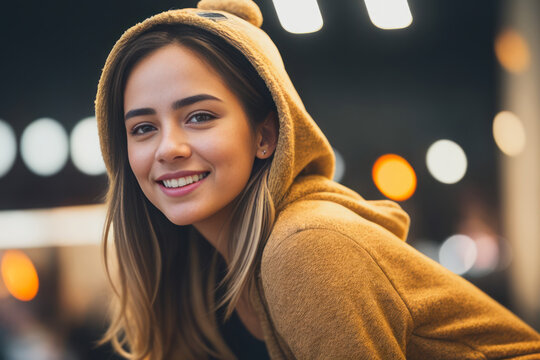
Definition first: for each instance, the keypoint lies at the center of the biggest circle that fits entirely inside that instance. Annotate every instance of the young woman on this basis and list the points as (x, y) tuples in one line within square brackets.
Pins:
[(225, 220)]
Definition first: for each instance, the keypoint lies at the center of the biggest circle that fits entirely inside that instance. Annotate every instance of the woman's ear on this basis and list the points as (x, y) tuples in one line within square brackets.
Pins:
[(267, 135)]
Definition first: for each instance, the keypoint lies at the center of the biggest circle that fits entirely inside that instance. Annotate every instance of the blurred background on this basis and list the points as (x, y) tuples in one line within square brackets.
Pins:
[(433, 104)]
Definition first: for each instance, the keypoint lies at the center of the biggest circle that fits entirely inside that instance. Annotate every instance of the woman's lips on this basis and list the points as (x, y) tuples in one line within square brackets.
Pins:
[(180, 174), (183, 190)]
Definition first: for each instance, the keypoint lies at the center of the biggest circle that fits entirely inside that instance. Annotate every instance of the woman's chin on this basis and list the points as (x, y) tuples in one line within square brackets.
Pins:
[(180, 220)]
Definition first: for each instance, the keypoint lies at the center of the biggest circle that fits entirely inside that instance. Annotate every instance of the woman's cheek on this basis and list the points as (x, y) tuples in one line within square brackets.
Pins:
[(140, 159), (213, 149)]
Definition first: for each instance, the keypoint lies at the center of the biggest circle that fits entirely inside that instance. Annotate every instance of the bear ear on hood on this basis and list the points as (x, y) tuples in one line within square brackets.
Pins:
[(245, 9)]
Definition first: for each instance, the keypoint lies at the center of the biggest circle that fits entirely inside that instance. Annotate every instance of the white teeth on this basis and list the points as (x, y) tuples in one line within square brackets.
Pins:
[(173, 183)]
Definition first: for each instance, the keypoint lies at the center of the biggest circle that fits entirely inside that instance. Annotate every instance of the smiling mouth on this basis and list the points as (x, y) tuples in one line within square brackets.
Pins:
[(183, 181)]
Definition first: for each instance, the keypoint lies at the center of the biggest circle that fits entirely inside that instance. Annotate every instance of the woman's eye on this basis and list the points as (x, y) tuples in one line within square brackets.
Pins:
[(201, 117), (142, 129)]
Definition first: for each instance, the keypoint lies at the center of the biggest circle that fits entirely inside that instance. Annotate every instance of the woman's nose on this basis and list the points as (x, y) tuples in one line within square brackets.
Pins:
[(174, 144)]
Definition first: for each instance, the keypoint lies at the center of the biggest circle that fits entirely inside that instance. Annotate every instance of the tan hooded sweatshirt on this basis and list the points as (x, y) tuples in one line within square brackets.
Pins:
[(337, 279)]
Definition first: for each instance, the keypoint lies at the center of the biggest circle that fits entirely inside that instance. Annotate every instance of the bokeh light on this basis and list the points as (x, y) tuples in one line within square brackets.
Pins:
[(8, 148), (509, 133), (44, 146), (389, 14), (299, 16), (458, 253), (488, 255), (19, 275), (446, 161), (340, 166), (59, 226), (85, 150), (512, 51), (394, 177)]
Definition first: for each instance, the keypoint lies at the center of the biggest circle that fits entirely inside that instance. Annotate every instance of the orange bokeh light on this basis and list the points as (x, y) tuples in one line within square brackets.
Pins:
[(394, 177), (512, 51), (19, 275)]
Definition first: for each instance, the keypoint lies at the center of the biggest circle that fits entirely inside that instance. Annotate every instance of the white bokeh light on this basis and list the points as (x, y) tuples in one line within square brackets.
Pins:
[(8, 148), (509, 133), (85, 150), (44, 146), (389, 14), (340, 166), (299, 16), (488, 254), (458, 253), (446, 161)]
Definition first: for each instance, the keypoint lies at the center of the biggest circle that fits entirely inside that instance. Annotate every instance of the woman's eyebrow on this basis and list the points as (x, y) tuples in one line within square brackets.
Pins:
[(175, 105)]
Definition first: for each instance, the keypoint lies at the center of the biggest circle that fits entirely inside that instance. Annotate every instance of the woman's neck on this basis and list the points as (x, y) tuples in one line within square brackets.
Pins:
[(214, 228)]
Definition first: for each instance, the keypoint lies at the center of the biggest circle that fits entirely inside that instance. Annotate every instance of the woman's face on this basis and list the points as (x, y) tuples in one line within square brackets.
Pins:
[(181, 117)]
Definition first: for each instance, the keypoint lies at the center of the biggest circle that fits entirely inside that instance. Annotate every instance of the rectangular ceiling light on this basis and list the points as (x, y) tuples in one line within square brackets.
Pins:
[(299, 16), (389, 14)]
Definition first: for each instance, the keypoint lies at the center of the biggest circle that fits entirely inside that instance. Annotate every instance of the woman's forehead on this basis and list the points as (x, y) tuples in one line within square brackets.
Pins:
[(170, 72)]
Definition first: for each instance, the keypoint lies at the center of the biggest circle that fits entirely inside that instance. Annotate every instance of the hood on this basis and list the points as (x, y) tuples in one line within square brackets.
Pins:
[(303, 154)]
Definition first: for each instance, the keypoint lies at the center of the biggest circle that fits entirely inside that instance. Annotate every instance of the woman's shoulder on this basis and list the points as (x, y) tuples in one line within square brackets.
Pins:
[(362, 281), (327, 224), (322, 243), (316, 202)]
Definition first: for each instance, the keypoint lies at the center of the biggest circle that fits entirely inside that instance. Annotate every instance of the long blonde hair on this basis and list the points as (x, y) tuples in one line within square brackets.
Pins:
[(165, 282)]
